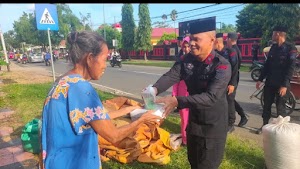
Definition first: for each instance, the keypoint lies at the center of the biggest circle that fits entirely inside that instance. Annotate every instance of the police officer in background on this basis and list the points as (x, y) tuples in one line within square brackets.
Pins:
[(206, 75), (232, 44), (255, 50), (232, 56), (278, 71), (180, 52)]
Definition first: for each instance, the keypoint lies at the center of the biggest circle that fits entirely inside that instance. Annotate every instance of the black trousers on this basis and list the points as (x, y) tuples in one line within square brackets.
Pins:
[(233, 106), (254, 57), (204, 153), (270, 93)]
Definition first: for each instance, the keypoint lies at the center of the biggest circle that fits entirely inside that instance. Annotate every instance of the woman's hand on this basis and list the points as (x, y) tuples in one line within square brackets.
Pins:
[(150, 117), (123, 111)]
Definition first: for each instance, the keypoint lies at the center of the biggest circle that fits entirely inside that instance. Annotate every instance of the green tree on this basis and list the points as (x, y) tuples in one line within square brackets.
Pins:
[(227, 28), (25, 30), (251, 19), (84, 20), (67, 21), (166, 36), (144, 30), (287, 15), (128, 28), (111, 34), (10, 40)]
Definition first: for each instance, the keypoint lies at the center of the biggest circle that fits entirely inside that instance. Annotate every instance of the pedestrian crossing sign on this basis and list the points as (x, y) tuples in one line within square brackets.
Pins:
[(46, 17)]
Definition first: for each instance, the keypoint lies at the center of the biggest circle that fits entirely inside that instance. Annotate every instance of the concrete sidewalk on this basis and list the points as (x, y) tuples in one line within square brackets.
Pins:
[(12, 155)]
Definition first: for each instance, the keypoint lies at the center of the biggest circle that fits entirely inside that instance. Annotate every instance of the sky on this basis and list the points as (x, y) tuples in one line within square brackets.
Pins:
[(225, 13)]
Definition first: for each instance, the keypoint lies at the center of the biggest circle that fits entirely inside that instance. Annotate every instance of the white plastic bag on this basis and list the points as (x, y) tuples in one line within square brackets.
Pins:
[(175, 141), (281, 144), (137, 113)]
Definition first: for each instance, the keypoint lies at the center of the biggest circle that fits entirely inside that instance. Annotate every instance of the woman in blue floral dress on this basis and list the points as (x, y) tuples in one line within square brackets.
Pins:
[(73, 113)]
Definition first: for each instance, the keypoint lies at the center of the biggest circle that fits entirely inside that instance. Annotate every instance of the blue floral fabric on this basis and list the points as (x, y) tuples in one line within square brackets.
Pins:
[(68, 141)]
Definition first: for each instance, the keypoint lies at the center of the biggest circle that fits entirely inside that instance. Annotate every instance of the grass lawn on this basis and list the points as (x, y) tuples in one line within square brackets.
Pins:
[(27, 102), (244, 68)]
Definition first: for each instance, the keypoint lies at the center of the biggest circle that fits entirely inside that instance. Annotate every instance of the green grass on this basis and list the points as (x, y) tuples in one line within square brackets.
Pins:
[(245, 68), (27, 102)]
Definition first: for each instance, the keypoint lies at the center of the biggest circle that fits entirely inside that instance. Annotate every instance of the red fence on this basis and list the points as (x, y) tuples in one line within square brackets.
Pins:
[(168, 52)]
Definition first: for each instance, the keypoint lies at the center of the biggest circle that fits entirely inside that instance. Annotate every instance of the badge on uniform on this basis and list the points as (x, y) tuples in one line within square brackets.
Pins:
[(190, 66)]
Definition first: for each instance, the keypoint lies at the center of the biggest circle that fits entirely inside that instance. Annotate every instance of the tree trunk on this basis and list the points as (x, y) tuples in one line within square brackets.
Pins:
[(145, 56), (128, 57)]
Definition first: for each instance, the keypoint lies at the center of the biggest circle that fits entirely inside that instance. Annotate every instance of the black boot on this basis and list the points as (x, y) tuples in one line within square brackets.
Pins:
[(259, 131), (243, 121)]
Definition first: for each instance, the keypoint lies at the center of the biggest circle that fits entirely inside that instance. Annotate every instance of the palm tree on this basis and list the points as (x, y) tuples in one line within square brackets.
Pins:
[(173, 16), (164, 17)]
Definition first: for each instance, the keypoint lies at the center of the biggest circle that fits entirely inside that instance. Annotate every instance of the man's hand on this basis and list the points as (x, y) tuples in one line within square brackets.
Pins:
[(282, 91), (170, 102), (154, 88), (258, 84), (230, 89), (150, 117)]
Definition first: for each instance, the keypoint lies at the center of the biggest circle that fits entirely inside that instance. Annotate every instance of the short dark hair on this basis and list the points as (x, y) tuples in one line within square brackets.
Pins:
[(84, 42)]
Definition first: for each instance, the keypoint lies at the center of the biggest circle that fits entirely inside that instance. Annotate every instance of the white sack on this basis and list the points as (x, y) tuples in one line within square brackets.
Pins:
[(281, 144)]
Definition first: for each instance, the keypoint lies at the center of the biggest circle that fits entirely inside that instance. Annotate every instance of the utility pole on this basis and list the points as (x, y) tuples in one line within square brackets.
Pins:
[(104, 23), (4, 50), (220, 30)]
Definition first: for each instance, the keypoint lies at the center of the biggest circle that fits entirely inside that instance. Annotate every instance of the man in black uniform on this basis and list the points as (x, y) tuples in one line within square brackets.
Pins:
[(254, 50), (232, 44), (278, 71), (232, 56), (206, 75)]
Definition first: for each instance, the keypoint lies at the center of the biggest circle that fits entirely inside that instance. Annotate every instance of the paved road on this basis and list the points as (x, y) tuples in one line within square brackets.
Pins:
[(130, 80)]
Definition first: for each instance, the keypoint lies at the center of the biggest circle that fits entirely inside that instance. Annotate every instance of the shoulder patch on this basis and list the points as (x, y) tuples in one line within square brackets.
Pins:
[(222, 67)]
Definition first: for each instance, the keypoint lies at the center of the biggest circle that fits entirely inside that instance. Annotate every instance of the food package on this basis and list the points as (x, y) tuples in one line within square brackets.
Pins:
[(137, 113), (281, 144)]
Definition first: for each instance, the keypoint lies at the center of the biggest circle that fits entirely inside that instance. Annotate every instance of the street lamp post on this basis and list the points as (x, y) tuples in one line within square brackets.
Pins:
[(104, 23), (4, 50)]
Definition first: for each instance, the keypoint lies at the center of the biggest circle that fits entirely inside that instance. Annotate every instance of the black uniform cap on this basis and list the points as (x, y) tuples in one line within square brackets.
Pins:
[(233, 35), (280, 28), (179, 38), (203, 25), (219, 35)]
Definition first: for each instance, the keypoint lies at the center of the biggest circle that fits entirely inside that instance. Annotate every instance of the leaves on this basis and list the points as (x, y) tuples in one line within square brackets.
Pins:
[(173, 15), (258, 20), (166, 36), (111, 34), (251, 20), (128, 27), (144, 31)]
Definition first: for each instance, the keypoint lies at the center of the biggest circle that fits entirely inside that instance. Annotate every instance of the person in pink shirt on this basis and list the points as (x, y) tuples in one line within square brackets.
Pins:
[(180, 89)]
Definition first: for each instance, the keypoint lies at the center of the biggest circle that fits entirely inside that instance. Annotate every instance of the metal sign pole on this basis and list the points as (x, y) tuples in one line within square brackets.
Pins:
[(52, 63), (47, 19)]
